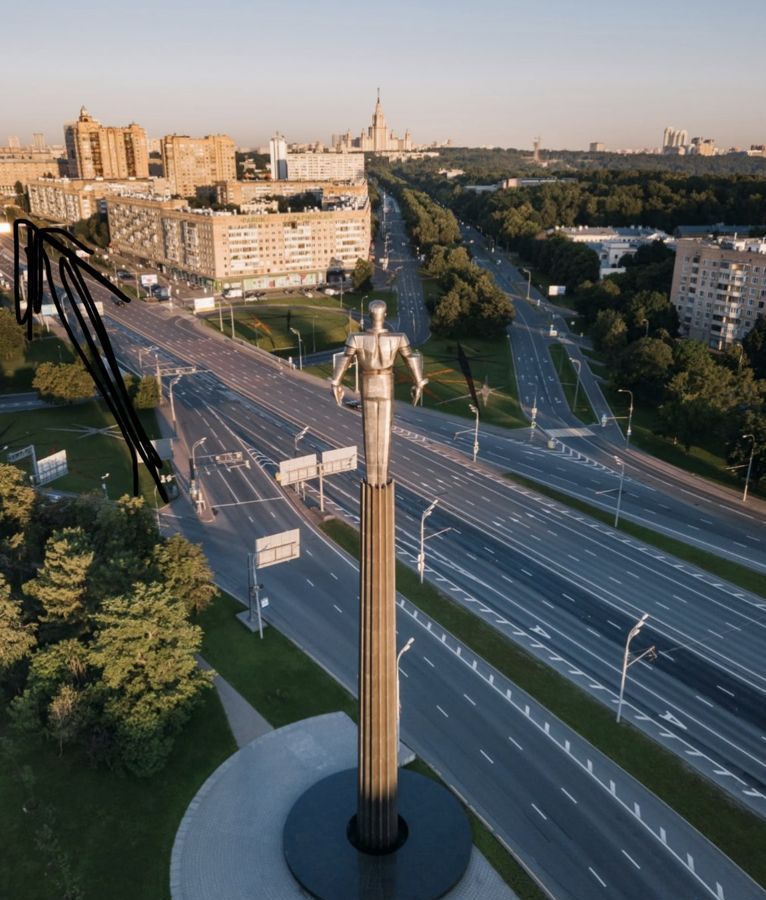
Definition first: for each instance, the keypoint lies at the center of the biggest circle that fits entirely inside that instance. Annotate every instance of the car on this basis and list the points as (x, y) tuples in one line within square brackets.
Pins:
[(124, 274), (355, 405)]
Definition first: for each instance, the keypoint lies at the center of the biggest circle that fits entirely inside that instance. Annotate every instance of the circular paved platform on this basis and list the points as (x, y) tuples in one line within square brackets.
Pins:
[(229, 843)]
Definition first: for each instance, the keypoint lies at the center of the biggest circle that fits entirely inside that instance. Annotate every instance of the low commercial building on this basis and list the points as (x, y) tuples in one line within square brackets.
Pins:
[(252, 251), (71, 199), (612, 244), (719, 288)]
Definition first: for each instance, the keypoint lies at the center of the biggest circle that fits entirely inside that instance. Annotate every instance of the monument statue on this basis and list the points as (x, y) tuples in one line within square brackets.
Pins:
[(375, 351), (412, 843)]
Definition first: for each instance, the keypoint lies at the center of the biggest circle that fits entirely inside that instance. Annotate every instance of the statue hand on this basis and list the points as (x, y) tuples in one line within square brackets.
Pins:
[(337, 389), (417, 391)]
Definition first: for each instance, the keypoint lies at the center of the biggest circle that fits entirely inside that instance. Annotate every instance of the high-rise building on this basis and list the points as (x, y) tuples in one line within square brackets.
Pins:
[(190, 163), (38, 141), (278, 154), (13, 142), (98, 151), (596, 147), (674, 138), (719, 288), (377, 139)]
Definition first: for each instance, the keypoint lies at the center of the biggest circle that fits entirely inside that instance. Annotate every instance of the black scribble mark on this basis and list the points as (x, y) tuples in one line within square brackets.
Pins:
[(89, 337)]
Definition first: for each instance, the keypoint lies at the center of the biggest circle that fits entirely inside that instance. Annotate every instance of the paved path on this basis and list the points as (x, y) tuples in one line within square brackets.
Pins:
[(245, 721)]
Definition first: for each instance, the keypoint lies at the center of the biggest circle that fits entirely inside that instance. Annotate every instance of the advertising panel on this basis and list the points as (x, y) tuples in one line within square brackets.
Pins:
[(277, 548)]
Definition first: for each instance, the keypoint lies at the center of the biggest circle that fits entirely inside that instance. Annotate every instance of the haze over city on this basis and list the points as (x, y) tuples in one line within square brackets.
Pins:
[(493, 73)]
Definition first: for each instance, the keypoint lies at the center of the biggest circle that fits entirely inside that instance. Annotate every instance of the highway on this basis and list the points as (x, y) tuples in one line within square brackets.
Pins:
[(661, 496), (581, 826)]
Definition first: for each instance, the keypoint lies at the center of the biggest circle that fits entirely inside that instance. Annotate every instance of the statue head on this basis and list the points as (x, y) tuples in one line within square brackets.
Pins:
[(377, 315)]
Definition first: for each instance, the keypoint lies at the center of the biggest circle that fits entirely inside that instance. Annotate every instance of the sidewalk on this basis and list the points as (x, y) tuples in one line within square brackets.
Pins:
[(245, 721)]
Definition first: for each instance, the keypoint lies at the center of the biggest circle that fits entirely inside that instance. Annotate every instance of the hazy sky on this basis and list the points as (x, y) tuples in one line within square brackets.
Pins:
[(493, 72)]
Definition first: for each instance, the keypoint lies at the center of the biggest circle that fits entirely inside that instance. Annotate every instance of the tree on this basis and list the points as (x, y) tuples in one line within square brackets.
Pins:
[(148, 393), (12, 338), (361, 277), (183, 571), (755, 346), (643, 366), (17, 637), (17, 500), (146, 651), (66, 382), (609, 332), (60, 587), (739, 447)]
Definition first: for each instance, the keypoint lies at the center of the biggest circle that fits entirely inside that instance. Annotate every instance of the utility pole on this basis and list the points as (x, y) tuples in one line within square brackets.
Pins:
[(619, 492), (231, 312), (630, 413), (253, 593), (749, 465)]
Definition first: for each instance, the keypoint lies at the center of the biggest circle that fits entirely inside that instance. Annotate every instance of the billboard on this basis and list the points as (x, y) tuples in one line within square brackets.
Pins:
[(201, 303), (341, 460), (148, 279), (51, 467), (557, 290), (302, 468), (277, 548)]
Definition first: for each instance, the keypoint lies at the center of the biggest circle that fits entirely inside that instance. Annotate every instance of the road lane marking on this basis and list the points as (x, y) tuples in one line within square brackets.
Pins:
[(442, 711), (539, 812), (472, 702), (615, 580), (519, 747), (310, 582), (334, 575), (565, 791), (703, 700), (429, 662), (486, 756), (598, 878), (338, 608), (730, 693), (528, 574), (629, 857)]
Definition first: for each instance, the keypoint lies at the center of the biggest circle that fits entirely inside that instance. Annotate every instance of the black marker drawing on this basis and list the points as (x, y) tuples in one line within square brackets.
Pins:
[(97, 354)]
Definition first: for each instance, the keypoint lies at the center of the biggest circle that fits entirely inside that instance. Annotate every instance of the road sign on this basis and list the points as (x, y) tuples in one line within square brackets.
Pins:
[(230, 458), (51, 467), (16, 455), (343, 459), (301, 468), (164, 447), (201, 303), (277, 548)]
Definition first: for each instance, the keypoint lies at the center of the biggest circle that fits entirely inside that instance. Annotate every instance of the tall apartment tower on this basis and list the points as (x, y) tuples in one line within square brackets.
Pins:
[(98, 151), (38, 141), (189, 163), (278, 153)]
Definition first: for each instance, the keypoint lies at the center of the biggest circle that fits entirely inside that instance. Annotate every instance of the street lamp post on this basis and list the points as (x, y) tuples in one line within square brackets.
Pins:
[(578, 363), (399, 656), (422, 555), (194, 488), (103, 485), (299, 437), (619, 491), (627, 662), (475, 411), (533, 422), (173, 383), (361, 312), (749, 465), (529, 280), (300, 347), (141, 351), (630, 413)]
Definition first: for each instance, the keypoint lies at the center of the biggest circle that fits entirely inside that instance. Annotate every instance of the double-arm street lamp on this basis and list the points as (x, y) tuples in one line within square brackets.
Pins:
[(300, 346), (630, 413), (749, 465), (173, 383), (422, 555), (299, 437), (475, 411), (627, 662)]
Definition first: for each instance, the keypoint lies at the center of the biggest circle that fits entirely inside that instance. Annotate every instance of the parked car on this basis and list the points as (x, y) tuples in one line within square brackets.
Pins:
[(124, 274)]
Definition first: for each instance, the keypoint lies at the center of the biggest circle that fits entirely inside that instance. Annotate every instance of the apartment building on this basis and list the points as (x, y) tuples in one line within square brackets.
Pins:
[(325, 166), (329, 193), (189, 163), (719, 288), (26, 166), (69, 200), (252, 251), (98, 151)]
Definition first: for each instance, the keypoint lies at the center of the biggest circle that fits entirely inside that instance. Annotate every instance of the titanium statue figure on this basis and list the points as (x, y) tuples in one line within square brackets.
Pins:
[(376, 350)]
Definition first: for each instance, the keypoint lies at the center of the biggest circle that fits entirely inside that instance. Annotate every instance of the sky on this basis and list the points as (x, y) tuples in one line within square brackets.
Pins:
[(487, 72)]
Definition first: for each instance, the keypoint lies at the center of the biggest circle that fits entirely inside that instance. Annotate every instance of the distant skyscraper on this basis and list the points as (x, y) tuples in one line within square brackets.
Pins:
[(536, 149), (13, 142), (596, 147), (190, 163), (378, 138), (673, 137), (278, 153), (98, 151), (38, 141)]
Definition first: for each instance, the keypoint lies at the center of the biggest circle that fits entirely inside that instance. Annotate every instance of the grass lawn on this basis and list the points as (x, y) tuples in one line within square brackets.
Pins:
[(117, 830), (280, 681), (738, 832), (490, 362), (89, 456), (568, 377), (16, 373)]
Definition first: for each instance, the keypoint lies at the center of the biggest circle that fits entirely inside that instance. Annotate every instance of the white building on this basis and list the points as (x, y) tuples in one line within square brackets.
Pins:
[(325, 166), (278, 153), (612, 244)]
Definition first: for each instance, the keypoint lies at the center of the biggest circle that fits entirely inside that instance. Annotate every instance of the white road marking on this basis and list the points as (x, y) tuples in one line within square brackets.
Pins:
[(565, 791), (472, 702), (517, 744), (629, 857), (429, 662), (334, 575), (730, 693), (442, 711), (598, 878), (489, 758), (539, 812), (338, 608)]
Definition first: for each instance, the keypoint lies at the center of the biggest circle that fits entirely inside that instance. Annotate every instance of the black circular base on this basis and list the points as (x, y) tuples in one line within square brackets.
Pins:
[(430, 861)]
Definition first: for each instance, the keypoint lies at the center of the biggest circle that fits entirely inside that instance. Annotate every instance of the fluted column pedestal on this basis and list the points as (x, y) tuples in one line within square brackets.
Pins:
[(377, 820)]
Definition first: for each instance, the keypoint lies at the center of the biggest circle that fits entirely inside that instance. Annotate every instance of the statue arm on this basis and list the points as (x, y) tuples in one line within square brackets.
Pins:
[(341, 367), (414, 362)]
